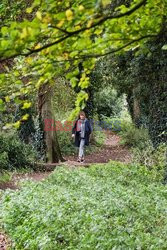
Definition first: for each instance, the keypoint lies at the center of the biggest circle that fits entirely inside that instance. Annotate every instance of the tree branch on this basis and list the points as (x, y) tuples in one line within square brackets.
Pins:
[(60, 29), (70, 34), (109, 52)]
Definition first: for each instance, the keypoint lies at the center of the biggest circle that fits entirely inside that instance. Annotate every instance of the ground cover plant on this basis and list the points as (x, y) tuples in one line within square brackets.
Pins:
[(112, 206)]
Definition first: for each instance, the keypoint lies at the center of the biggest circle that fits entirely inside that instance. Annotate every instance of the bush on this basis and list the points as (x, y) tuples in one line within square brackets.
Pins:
[(99, 137), (66, 142), (151, 157), (134, 137), (142, 148), (107, 102), (112, 206), (14, 153), (3, 160), (5, 176), (116, 123)]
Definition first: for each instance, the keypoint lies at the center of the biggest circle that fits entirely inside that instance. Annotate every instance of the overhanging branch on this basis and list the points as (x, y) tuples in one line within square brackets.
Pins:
[(70, 34), (109, 52)]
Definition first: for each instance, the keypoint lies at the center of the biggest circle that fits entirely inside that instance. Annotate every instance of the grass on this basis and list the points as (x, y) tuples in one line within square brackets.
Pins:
[(111, 206)]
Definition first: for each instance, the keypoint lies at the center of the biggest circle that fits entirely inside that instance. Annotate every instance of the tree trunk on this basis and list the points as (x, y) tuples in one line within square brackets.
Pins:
[(53, 153)]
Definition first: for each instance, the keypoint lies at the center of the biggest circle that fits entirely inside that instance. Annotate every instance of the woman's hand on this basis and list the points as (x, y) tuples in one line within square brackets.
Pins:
[(73, 135)]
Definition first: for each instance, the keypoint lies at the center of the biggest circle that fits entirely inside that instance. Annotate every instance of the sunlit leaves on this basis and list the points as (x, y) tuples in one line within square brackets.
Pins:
[(82, 97), (84, 81), (62, 34), (73, 81), (69, 15), (81, 8), (25, 117), (26, 105), (164, 47), (2, 105), (7, 99), (39, 15), (17, 124), (106, 2)]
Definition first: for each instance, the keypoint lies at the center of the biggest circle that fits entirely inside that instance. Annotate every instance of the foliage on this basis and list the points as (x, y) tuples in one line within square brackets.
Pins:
[(134, 137), (142, 76), (143, 150), (12, 10), (107, 102), (5, 176), (112, 206), (64, 98), (62, 34), (14, 153), (66, 142), (3, 160), (99, 137), (117, 124), (151, 157)]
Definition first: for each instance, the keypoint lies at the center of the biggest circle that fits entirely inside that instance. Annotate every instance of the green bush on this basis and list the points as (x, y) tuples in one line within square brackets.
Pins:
[(5, 176), (150, 156), (14, 153), (134, 137), (112, 206), (116, 123), (99, 137), (107, 102), (66, 142), (142, 148), (3, 160)]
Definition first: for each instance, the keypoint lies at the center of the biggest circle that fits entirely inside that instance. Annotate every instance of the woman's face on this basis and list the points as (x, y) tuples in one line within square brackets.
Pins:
[(82, 117)]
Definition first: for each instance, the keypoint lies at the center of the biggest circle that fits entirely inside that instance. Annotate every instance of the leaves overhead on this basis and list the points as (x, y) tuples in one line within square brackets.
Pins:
[(63, 34)]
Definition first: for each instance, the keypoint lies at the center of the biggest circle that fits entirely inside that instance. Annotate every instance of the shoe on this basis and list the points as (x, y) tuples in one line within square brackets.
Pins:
[(82, 160), (79, 160)]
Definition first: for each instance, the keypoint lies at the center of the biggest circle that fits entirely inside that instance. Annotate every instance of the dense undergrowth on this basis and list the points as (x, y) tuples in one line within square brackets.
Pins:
[(139, 142), (112, 206), (15, 154)]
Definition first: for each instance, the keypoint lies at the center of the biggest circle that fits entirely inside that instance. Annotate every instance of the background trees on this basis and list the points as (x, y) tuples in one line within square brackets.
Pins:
[(54, 38)]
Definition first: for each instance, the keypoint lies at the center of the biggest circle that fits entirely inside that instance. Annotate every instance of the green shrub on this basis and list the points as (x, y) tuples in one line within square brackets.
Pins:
[(112, 206), (66, 142), (107, 102), (134, 137), (116, 124), (130, 134), (142, 148), (3, 160), (150, 156), (5, 176), (14, 153), (99, 137)]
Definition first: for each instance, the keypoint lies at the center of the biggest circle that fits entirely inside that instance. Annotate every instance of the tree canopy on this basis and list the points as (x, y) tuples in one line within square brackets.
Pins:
[(62, 34)]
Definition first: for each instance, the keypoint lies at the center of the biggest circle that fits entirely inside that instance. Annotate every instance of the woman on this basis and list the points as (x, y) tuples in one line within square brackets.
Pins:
[(81, 131)]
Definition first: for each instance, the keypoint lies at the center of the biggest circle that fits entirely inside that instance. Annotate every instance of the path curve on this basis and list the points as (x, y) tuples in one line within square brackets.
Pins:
[(111, 150)]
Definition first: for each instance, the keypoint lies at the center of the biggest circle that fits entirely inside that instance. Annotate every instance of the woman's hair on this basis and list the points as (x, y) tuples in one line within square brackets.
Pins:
[(81, 113)]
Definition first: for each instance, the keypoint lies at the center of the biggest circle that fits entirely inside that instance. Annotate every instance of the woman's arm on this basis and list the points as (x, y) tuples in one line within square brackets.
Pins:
[(90, 128)]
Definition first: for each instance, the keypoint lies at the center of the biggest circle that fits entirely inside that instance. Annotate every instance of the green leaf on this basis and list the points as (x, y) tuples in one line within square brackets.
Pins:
[(164, 47)]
